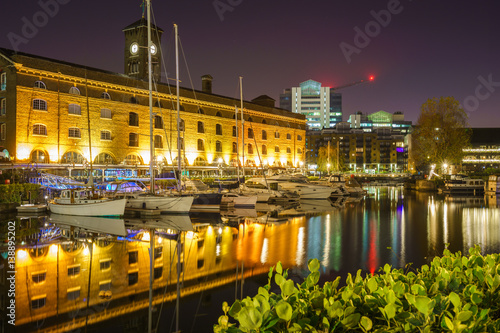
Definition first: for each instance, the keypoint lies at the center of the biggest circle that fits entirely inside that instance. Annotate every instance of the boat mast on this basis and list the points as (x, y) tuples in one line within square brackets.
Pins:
[(91, 176), (178, 108), (150, 81), (237, 143), (242, 129)]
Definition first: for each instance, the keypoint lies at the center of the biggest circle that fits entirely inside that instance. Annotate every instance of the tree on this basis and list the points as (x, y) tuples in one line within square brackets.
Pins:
[(336, 164), (440, 134)]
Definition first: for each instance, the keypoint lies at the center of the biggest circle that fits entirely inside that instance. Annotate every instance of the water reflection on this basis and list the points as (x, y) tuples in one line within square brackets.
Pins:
[(77, 273)]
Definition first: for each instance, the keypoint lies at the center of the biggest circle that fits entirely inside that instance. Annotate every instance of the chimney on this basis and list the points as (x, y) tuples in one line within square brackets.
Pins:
[(206, 83)]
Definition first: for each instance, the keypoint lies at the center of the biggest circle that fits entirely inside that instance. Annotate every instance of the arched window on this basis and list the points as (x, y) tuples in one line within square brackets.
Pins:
[(218, 129), (250, 148), (201, 145), (39, 129), (40, 85), (200, 161), (264, 150), (218, 146), (106, 113), (299, 151), (201, 127), (288, 150), (288, 136), (200, 111), (276, 149), (72, 157), (264, 135), (299, 137), (133, 140), (74, 91), (133, 100), (105, 95), (250, 133), (39, 104), (39, 156), (132, 159), (276, 135), (250, 119), (74, 132), (104, 158), (133, 119), (235, 148), (264, 121), (234, 131), (74, 109), (158, 122), (218, 114), (158, 141), (105, 135)]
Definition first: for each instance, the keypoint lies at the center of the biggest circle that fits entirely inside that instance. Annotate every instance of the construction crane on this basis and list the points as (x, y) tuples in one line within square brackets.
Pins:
[(370, 79)]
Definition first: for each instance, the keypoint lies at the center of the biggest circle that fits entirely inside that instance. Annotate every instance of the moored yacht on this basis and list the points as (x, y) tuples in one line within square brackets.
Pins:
[(302, 187), (462, 184)]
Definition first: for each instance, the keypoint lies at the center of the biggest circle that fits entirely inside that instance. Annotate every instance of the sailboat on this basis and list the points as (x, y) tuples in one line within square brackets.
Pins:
[(165, 203), (85, 201)]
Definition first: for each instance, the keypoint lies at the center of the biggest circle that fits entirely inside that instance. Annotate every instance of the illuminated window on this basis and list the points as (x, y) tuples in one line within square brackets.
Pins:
[(74, 132), (132, 159), (276, 135), (74, 109), (218, 146), (201, 145), (158, 141), (72, 158), (106, 113), (3, 107), (264, 135), (40, 85), (38, 156), (104, 158), (39, 104), (105, 136), (218, 129), (3, 81), (158, 122), (201, 127), (133, 119), (74, 91), (133, 140), (39, 129), (105, 95)]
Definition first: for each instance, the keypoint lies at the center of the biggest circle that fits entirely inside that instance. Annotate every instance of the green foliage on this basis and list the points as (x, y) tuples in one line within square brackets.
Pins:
[(18, 192), (336, 162), (440, 133), (454, 293)]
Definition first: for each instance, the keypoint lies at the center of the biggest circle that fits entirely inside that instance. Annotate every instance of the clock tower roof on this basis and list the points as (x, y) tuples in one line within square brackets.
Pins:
[(140, 24)]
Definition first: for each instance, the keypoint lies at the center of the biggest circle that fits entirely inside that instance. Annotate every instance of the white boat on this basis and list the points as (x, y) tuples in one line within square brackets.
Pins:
[(164, 203), (239, 200), (300, 186), (266, 190), (461, 184), (102, 225), (493, 184), (81, 202), (354, 188), (338, 184)]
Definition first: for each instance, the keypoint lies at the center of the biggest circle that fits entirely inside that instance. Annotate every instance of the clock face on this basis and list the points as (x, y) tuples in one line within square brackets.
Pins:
[(153, 49), (134, 48)]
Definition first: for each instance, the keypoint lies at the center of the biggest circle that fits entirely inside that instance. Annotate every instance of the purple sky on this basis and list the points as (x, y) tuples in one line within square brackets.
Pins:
[(425, 49)]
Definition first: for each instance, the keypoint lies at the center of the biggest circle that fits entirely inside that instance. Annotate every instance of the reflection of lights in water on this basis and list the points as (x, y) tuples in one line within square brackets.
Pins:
[(480, 227), (445, 223), (86, 250), (189, 235), (145, 236), (217, 249), (160, 240), (220, 230), (300, 247), (265, 251), (53, 249), (326, 247)]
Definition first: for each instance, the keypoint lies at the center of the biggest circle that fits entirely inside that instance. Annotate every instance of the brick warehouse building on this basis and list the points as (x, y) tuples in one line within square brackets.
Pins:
[(48, 105)]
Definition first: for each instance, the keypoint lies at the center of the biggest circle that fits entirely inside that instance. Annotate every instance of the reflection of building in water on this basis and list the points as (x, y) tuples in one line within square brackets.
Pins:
[(52, 281)]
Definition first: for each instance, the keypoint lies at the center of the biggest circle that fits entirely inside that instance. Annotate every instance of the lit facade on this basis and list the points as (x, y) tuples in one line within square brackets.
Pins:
[(48, 107), (484, 150), (321, 106), (379, 119)]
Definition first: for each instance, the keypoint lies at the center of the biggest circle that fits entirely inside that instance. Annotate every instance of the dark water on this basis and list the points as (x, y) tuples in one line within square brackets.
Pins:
[(55, 262)]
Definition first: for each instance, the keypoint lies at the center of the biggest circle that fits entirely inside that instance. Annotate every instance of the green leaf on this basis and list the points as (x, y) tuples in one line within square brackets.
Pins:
[(476, 298), (422, 304), (464, 315), (372, 284), (235, 309), (313, 265), (387, 268), (263, 292), (455, 300), (250, 318), (448, 322), (279, 279), (284, 310), (366, 323), (390, 311), (352, 320), (287, 288), (279, 268)]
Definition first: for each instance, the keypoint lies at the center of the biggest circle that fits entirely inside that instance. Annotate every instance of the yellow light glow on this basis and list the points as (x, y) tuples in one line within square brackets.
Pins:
[(189, 235), (145, 236), (191, 157), (23, 152), (21, 254), (160, 240), (146, 156), (270, 160), (210, 230), (210, 158), (283, 161), (227, 158), (53, 249), (86, 250)]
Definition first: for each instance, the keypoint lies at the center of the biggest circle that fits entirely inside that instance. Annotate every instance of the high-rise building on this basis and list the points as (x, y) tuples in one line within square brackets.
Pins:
[(380, 119), (322, 106)]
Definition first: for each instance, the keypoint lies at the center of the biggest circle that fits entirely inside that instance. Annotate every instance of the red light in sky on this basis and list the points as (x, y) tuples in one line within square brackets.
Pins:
[(371, 78)]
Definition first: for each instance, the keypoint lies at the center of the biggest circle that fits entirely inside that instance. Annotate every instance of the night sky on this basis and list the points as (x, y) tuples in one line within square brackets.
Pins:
[(422, 49)]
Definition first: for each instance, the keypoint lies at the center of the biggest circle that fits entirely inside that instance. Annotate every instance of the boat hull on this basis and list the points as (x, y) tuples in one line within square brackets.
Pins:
[(166, 204), (89, 207)]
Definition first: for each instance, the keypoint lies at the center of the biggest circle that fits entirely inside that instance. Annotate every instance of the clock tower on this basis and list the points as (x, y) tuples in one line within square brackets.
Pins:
[(136, 50)]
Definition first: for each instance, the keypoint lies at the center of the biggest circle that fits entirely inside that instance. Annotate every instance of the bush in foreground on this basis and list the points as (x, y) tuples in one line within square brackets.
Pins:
[(455, 293)]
